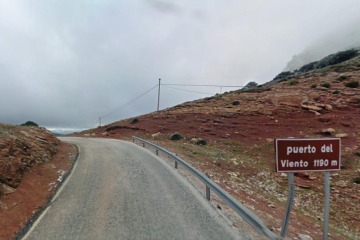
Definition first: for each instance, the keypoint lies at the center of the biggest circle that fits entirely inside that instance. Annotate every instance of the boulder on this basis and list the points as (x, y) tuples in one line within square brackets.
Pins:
[(341, 135), (311, 107), (328, 131), (328, 107), (304, 237), (232, 174), (5, 189), (315, 112), (198, 141), (291, 100), (156, 135)]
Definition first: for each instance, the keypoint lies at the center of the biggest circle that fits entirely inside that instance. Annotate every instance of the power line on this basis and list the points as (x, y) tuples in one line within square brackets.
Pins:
[(169, 86), (129, 102), (200, 85), (188, 90)]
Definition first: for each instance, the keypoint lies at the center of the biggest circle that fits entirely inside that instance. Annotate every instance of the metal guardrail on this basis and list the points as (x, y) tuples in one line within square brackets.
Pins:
[(240, 209)]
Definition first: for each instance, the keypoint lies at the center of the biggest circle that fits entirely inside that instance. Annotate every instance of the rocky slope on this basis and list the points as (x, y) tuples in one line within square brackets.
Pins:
[(327, 61), (32, 164), (21, 148), (237, 130)]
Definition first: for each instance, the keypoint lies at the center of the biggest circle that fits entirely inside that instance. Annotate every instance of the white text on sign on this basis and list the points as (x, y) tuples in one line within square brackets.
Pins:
[(308, 149)]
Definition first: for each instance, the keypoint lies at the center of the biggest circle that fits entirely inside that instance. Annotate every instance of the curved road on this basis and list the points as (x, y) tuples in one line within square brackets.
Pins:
[(118, 190)]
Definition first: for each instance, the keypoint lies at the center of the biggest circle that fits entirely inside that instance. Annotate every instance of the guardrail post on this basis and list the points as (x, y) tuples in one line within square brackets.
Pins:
[(157, 152), (207, 193), (176, 163), (143, 144)]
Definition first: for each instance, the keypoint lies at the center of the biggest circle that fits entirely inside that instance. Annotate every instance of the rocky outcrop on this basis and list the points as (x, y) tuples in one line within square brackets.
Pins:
[(21, 148), (327, 61)]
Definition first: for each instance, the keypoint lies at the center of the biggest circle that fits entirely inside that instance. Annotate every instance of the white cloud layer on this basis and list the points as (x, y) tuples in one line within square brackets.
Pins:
[(65, 63)]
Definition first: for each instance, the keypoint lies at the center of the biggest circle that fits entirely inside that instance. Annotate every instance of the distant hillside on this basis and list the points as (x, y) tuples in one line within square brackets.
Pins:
[(327, 61), (312, 55), (230, 137), (332, 81), (341, 39)]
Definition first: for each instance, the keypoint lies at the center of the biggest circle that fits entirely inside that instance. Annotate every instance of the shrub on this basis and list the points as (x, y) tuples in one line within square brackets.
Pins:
[(352, 84), (283, 80), (250, 85), (176, 137), (201, 142), (294, 82), (112, 128), (336, 92), (326, 85), (313, 86), (283, 75), (135, 120), (235, 103), (308, 67), (341, 78), (337, 58), (356, 180), (30, 124), (331, 60)]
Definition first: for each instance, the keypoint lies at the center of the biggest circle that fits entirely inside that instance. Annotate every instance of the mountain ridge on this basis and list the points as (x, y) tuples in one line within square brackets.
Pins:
[(238, 129)]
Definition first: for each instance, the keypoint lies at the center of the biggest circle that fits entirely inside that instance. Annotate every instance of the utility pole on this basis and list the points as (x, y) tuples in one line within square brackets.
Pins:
[(99, 121), (158, 105)]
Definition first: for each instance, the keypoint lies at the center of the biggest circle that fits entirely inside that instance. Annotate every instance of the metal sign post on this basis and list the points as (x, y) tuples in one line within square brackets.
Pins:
[(290, 201), (327, 205), (300, 155)]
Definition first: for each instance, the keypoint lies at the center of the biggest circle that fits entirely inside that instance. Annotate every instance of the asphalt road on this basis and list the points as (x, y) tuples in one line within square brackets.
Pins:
[(118, 190)]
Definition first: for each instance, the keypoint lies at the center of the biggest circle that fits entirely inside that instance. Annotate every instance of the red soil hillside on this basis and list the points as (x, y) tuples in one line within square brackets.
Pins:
[(239, 127), (32, 163)]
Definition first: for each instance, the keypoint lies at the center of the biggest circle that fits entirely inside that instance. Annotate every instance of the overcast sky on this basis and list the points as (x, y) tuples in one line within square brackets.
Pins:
[(66, 63)]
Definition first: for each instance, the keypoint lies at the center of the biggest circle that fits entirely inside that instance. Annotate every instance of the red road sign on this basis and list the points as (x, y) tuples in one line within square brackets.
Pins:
[(299, 155)]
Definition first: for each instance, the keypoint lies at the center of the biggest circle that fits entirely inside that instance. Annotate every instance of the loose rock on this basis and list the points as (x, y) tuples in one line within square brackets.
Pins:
[(328, 131), (311, 107), (341, 135), (304, 237)]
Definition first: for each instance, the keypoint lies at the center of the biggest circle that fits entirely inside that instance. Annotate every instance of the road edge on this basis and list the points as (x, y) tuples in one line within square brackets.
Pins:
[(38, 216)]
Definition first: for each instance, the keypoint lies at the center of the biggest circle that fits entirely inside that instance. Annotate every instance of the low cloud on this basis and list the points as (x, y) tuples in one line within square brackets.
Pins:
[(164, 6), (65, 64)]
